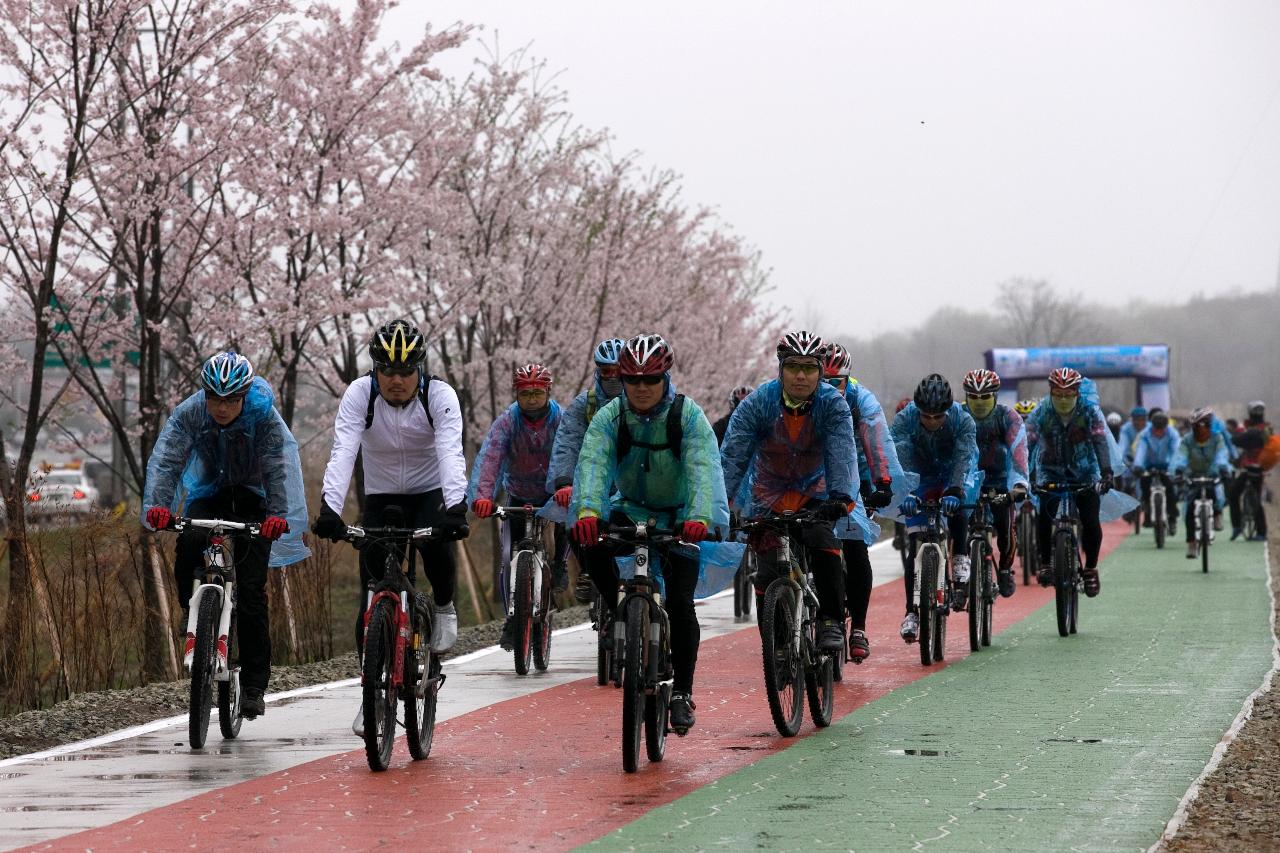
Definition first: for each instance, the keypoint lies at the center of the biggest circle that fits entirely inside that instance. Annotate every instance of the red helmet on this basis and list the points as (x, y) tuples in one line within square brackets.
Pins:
[(646, 355), (837, 362), (1066, 379), (981, 382), (802, 345), (531, 376)]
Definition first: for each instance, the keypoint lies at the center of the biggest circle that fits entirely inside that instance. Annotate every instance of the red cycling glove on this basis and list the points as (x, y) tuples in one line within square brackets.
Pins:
[(158, 518), (694, 532), (587, 530), (274, 527), (563, 495), (483, 508)]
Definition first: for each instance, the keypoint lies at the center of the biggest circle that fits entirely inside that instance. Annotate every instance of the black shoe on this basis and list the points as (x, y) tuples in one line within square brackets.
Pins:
[(508, 640), (252, 705), (830, 636), (1092, 583), (1004, 579), (681, 710), (859, 646)]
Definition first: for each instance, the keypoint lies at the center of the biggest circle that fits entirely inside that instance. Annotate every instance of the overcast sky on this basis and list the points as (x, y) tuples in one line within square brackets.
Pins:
[(891, 157)]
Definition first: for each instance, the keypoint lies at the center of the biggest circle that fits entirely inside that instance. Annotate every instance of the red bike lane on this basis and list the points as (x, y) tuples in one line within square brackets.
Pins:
[(540, 771)]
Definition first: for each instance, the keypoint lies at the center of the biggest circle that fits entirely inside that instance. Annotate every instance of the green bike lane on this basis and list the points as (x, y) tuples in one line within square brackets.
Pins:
[(1040, 742)]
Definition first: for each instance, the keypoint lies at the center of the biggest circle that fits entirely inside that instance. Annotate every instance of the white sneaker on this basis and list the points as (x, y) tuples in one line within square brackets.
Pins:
[(962, 569), (357, 725), (910, 627), (444, 628)]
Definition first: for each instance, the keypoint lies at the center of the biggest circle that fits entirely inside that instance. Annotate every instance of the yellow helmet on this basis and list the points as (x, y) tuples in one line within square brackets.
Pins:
[(397, 344), (1025, 407)]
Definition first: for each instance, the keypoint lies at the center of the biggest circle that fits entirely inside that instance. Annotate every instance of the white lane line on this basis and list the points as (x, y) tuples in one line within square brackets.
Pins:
[(168, 722), (1180, 816)]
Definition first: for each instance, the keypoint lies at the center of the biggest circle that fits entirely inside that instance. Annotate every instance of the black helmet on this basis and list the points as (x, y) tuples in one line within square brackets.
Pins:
[(933, 394), (398, 344)]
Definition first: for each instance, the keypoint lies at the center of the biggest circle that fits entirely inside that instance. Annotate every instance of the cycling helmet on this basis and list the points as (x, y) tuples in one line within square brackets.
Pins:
[(933, 394), (1025, 407), (1257, 409), (737, 395), (981, 382), (1115, 419), (802, 345), (1066, 379), (646, 355), (398, 344), (1159, 419), (531, 376), (227, 374), (1202, 415), (1137, 412), (837, 362), (608, 350)]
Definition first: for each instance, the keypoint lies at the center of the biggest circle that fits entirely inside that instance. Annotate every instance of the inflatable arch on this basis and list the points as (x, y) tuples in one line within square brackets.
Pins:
[(1148, 364)]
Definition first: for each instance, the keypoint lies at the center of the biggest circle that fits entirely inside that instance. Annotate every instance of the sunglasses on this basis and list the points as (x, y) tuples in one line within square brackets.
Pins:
[(608, 372), (805, 368), (215, 398), (980, 396), (642, 380), (399, 372)]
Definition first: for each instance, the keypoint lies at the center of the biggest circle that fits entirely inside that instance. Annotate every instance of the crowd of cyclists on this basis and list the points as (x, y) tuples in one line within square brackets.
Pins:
[(632, 448)]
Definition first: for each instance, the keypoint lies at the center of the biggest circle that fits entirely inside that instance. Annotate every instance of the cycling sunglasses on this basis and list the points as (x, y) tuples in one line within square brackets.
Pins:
[(608, 371), (398, 371), (987, 396), (642, 380), (230, 398)]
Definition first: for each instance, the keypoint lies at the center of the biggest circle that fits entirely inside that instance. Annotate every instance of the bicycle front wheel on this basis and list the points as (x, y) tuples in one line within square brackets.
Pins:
[(378, 694), (927, 586), (1206, 535), (202, 666), (819, 678), (977, 594), (229, 717), (1064, 558), (633, 677), (655, 721), (782, 665), (1159, 523), (420, 711), (523, 649)]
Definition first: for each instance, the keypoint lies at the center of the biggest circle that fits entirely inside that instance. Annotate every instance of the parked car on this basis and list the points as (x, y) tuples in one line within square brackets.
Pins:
[(61, 490)]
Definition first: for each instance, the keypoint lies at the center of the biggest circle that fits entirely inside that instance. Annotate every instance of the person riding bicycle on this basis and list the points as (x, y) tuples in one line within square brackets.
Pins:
[(1202, 452), (606, 386), (1070, 440), (937, 440), (1002, 457), (1114, 421), (225, 453), (1251, 439), (791, 447), (877, 462), (736, 396), (407, 429), (515, 457), (651, 454), (1129, 433), (1157, 447)]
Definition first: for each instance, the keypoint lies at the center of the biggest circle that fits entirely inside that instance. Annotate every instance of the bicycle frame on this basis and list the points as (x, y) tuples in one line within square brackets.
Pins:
[(218, 578), (646, 536), (795, 557), (532, 542), (936, 535)]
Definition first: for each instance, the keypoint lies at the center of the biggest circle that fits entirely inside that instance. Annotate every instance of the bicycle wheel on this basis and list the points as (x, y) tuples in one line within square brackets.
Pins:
[(1064, 556), (523, 616), (748, 583), (838, 661), (988, 597), (604, 662), (977, 594), (1249, 511), (655, 721), (542, 641), (377, 693), (1206, 535), (1024, 547), (229, 717), (818, 678), (940, 632), (1160, 522), (202, 666), (926, 586), (633, 698), (782, 665)]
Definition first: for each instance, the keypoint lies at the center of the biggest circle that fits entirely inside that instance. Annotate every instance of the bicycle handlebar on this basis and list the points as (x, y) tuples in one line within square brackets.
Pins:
[(179, 523), (355, 534), (526, 511), (1064, 487)]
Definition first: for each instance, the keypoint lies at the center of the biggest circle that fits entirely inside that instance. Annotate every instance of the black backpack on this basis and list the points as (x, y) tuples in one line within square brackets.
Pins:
[(424, 388), (675, 432)]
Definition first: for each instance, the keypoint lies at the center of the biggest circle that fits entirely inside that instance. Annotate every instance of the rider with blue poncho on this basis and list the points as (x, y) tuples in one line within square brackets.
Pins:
[(651, 454), (226, 453), (1203, 453), (935, 439), (514, 458), (1157, 446), (791, 444)]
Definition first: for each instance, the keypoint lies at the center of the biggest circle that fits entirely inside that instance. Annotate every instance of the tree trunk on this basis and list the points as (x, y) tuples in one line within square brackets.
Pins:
[(20, 685), (160, 659)]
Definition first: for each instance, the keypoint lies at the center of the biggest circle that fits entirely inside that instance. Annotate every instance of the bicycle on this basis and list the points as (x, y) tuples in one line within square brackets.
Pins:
[(1065, 556), (1201, 491), (641, 646), (1028, 549), (211, 631), (934, 582), (1153, 485), (527, 591), (789, 630), (397, 664), (982, 583), (1250, 500)]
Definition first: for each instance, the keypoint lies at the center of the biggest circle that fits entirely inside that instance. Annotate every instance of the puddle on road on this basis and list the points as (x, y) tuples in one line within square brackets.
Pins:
[(83, 807), (1076, 740), (920, 753)]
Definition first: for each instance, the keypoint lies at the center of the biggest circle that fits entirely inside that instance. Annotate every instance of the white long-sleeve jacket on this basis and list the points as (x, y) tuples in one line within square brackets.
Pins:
[(402, 452)]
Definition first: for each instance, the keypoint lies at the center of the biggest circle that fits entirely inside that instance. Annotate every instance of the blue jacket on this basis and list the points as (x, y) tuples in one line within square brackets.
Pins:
[(1155, 452), (1077, 449), (1128, 441), (1202, 460), (569, 435), (947, 456), (195, 458), (1002, 447)]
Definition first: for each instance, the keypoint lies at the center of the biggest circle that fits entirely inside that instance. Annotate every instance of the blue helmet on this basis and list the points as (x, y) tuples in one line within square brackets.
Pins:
[(608, 350), (1138, 412), (227, 374)]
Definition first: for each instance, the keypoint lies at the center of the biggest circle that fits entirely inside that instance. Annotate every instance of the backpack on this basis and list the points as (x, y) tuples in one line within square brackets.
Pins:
[(675, 432), (424, 388)]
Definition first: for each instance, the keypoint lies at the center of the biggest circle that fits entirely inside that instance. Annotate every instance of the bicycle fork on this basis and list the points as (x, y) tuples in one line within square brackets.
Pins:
[(539, 565)]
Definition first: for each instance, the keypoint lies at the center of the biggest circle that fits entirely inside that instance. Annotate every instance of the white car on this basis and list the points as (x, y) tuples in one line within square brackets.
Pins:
[(61, 491)]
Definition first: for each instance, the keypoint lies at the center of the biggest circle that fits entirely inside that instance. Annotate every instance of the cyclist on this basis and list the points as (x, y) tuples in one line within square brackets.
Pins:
[(736, 396), (1070, 441), (514, 457), (1002, 457), (1157, 447), (651, 454), (899, 529), (1129, 433), (1114, 422), (229, 454), (877, 465), (790, 447), (1202, 453), (935, 439), (1253, 436), (407, 429), (607, 385)]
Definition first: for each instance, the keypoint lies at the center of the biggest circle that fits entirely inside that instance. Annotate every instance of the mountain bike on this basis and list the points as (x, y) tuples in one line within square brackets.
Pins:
[(641, 645), (1028, 549), (1201, 491), (982, 581), (1065, 557), (527, 591), (398, 663), (934, 584), (789, 629), (1153, 483), (211, 630)]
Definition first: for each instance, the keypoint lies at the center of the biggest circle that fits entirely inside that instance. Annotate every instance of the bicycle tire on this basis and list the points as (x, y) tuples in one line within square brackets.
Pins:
[(988, 598), (1064, 548), (749, 584), (1159, 523), (655, 722), (603, 655), (542, 632), (202, 666), (1249, 511), (1024, 546), (940, 630), (522, 649), (633, 683), (926, 586), (1206, 535), (420, 714), (740, 607), (782, 667), (838, 661), (376, 693), (976, 595), (229, 716), (819, 680)]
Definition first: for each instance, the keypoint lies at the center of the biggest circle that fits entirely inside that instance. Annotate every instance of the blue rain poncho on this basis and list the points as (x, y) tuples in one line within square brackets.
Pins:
[(194, 458), (1002, 447), (1156, 452), (877, 462), (573, 428), (946, 457), (515, 456), (1201, 460), (1070, 450)]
